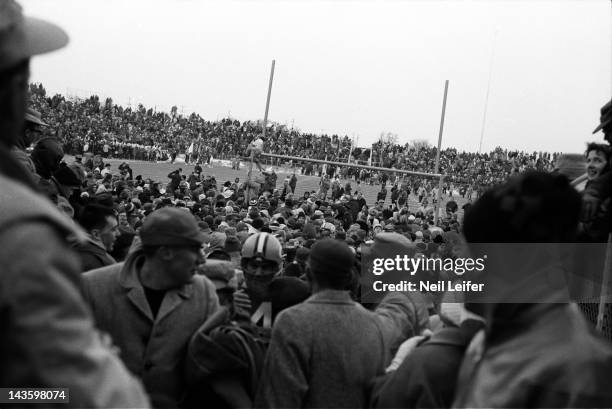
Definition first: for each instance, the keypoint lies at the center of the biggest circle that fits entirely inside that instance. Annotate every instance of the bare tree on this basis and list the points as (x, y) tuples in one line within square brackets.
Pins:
[(420, 144), (389, 138)]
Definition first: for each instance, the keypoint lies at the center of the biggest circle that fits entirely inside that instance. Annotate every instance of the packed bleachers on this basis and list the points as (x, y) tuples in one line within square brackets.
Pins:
[(102, 127)]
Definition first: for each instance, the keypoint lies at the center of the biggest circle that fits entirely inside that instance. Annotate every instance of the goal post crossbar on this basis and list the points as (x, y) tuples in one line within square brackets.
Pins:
[(351, 165)]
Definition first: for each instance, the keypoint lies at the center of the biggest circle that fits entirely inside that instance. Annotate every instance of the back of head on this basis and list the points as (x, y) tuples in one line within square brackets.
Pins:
[(216, 241), (519, 228), (331, 264), (534, 207), (286, 292), (47, 155)]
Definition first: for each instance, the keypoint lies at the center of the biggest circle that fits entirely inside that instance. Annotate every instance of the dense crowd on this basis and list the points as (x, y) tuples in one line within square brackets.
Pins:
[(102, 127), (241, 294)]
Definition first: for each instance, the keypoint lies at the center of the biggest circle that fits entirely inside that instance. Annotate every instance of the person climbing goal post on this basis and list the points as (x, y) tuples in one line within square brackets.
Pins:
[(255, 150)]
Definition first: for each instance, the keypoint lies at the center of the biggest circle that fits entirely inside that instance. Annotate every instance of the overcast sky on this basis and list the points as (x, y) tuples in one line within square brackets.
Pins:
[(354, 68)]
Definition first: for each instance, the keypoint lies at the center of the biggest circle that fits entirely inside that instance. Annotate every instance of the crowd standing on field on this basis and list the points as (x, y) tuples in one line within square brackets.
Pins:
[(201, 292)]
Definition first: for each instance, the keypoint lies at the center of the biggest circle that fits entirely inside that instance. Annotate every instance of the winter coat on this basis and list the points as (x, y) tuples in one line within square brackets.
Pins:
[(325, 352), (46, 330), (152, 348), (546, 355), (428, 376), (93, 255)]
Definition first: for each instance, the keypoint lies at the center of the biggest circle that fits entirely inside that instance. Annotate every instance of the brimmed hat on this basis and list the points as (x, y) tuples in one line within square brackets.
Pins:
[(35, 117), (170, 226), (22, 37), (606, 116)]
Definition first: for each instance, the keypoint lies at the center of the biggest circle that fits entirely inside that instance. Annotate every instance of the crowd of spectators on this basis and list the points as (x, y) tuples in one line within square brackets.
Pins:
[(122, 292), (102, 127)]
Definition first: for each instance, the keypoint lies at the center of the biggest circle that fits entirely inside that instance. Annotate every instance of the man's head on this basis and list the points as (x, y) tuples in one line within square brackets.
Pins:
[(261, 261), (33, 127), (330, 265), (328, 230), (605, 122), (20, 39), (534, 207), (101, 223), (172, 240)]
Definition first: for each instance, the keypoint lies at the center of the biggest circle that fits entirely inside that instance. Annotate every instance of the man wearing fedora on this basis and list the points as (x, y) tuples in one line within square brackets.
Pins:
[(32, 132), (153, 302), (46, 330)]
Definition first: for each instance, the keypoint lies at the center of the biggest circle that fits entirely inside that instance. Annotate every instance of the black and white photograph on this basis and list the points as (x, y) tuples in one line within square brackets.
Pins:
[(306, 204)]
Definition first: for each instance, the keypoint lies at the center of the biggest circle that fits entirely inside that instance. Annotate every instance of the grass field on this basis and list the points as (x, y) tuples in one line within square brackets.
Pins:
[(159, 172)]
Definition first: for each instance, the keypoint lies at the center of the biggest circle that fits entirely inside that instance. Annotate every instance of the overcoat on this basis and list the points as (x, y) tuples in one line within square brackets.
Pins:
[(151, 348)]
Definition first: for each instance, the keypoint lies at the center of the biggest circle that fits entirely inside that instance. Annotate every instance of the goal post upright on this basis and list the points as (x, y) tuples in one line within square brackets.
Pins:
[(265, 124), (439, 192), (265, 120)]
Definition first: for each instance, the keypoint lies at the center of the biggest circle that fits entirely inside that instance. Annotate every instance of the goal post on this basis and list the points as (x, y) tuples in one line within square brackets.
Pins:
[(351, 165), (359, 166)]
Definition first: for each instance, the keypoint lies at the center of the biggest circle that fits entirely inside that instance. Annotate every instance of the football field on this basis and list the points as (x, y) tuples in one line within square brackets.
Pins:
[(159, 172)]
